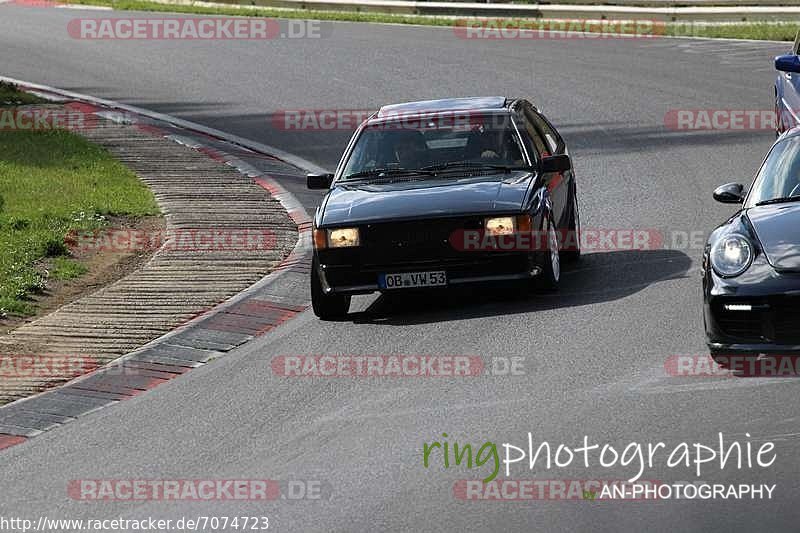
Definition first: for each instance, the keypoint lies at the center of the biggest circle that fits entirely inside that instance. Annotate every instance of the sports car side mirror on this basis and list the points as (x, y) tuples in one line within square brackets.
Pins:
[(556, 163), (731, 193), (790, 63), (319, 181)]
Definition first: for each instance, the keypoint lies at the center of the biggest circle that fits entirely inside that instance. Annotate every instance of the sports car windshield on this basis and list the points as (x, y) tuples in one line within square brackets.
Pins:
[(418, 145), (779, 178)]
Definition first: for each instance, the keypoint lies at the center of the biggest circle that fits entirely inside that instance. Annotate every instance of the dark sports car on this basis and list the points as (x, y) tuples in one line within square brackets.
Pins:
[(443, 193), (752, 262)]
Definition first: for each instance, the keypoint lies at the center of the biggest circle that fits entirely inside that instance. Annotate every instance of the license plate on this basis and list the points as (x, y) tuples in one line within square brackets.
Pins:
[(409, 280)]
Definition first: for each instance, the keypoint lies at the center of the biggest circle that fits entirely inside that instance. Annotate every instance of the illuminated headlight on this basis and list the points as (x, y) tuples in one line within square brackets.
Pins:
[(731, 255), (500, 226), (343, 237)]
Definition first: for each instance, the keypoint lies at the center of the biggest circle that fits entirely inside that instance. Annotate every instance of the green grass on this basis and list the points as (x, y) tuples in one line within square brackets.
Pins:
[(10, 95), (65, 269), (51, 183), (746, 30)]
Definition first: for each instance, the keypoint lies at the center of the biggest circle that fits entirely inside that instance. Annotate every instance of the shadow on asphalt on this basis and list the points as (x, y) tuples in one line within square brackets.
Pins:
[(598, 277)]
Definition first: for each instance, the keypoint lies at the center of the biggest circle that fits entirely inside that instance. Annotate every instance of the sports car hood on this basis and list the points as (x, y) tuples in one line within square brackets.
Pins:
[(778, 231), (366, 202)]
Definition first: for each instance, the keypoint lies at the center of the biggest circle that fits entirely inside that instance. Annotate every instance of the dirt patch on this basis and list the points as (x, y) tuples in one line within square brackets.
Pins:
[(104, 268)]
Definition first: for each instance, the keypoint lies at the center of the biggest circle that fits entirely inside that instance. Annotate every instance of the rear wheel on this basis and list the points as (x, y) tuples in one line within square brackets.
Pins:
[(326, 306), (547, 280)]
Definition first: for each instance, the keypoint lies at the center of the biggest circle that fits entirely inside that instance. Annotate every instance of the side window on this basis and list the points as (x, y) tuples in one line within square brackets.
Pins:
[(554, 143), (530, 126)]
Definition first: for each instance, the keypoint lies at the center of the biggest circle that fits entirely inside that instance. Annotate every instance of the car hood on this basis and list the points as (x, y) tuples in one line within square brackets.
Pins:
[(778, 231), (366, 202)]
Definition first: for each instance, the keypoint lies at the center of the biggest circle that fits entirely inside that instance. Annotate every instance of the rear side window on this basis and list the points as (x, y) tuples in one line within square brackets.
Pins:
[(539, 142), (553, 142)]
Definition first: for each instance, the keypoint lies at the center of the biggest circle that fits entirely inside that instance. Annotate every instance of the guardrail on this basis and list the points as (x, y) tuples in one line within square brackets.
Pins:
[(544, 11)]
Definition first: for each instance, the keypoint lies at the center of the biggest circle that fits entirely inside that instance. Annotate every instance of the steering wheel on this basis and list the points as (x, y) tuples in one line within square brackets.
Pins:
[(795, 191)]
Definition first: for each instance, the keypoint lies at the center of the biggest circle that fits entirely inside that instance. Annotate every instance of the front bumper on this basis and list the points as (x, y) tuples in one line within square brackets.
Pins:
[(359, 277), (769, 322)]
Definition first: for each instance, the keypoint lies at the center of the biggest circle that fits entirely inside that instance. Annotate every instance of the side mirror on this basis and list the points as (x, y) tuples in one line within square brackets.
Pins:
[(556, 163), (319, 181), (790, 63), (731, 193)]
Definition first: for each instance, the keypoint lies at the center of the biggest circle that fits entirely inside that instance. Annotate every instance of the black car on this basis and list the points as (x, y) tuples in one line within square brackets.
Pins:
[(444, 193), (751, 264)]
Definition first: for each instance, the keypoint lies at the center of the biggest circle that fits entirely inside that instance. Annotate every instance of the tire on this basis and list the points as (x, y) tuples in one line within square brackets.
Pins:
[(326, 306), (547, 280), (573, 233)]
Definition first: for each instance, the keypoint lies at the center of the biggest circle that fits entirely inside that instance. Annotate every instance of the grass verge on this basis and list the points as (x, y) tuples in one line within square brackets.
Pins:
[(53, 182), (773, 31)]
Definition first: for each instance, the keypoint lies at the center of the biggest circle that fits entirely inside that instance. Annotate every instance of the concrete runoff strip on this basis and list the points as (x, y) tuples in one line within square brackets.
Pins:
[(175, 287)]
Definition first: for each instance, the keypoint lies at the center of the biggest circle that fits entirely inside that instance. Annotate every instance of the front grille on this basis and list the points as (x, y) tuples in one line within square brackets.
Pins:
[(413, 241), (786, 321), (775, 319)]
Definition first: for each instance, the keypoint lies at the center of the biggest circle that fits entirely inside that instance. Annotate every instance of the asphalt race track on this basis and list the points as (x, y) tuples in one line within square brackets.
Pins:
[(594, 353)]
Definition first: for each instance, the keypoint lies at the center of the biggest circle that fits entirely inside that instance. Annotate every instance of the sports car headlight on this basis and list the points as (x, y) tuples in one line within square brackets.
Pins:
[(731, 255), (500, 225), (343, 237)]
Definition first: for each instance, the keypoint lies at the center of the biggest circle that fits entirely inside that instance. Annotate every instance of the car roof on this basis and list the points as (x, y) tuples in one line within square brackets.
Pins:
[(438, 106)]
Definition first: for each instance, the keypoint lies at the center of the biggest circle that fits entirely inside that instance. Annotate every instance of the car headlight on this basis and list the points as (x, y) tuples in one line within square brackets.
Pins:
[(731, 255), (507, 225), (343, 237), (500, 225)]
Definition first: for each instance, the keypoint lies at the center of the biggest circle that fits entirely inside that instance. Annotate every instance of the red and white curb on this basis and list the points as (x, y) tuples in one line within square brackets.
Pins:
[(253, 312)]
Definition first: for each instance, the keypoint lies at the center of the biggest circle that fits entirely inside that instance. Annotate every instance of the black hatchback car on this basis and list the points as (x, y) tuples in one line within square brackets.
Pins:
[(444, 193), (751, 264)]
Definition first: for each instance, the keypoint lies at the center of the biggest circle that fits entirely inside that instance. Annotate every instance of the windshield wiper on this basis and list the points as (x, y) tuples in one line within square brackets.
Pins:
[(784, 200), (473, 164), (388, 172)]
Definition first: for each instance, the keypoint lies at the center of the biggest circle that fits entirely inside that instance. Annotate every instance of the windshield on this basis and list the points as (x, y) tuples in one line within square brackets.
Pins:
[(779, 177), (442, 142)]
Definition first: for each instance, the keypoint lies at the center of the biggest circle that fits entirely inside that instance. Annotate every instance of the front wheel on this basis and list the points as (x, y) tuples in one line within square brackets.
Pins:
[(547, 280), (326, 306), (572, 240)]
